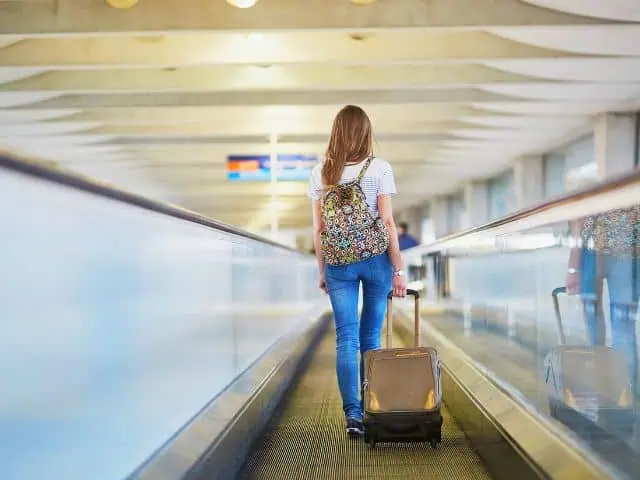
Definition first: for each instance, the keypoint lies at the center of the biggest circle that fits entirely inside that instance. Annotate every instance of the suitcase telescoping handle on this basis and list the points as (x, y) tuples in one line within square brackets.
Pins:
[(556, 307), (416, 318)]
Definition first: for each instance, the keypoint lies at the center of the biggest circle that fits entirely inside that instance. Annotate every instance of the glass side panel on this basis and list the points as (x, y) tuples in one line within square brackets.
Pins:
[(119, 324), (455, 212), (554, 313)]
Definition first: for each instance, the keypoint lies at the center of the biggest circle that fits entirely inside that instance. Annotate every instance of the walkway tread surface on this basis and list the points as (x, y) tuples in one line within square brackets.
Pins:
[(306, 439)]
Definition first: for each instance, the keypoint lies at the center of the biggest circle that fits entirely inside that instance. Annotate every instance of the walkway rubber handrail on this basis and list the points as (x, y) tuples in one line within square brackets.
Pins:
[(42, 171)]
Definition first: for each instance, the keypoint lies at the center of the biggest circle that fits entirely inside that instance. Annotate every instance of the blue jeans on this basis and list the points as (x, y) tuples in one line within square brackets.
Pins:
[(624, 287), (355, 335)]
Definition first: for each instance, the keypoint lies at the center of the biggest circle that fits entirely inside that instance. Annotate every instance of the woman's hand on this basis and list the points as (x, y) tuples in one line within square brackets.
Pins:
[(399, 286), (572, 282), (572, 279), (322, 283)]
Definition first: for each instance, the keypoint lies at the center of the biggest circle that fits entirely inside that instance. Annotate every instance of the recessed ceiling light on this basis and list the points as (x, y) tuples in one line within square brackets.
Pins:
[(242, 3), (363, 2), (358, 37), (121, 3)]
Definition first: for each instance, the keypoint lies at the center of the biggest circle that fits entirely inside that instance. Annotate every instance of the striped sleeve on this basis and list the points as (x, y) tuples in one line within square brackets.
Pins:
[(387, 184)]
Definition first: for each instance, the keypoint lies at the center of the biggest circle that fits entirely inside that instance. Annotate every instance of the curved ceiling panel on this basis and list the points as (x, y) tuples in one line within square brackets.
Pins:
[(11, 75), (529, 123), (509, 136), (8, 40), (16, 99), (478, 146), (45, 128), (543, 109), (575, 69), (596, 40), (26, 116), (52, 149), (588, 92), (625, 10), (63, 141)]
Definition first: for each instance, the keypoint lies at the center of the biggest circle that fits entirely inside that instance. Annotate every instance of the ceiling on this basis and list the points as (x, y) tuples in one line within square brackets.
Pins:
[(154, 98)]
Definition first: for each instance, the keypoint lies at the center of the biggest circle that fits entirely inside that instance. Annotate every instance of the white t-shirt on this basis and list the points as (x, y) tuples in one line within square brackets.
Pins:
[(377, 180)]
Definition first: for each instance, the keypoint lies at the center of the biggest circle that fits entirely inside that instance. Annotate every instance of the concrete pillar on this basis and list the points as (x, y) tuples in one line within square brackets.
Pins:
[(413, 217), (440, 215), (614, 144), (528, 181), (476, 200)]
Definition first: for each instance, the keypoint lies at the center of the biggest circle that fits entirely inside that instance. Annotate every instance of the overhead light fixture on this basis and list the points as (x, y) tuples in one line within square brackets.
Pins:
[(363, 2), (358, 37), (242, 3), (122, 4)]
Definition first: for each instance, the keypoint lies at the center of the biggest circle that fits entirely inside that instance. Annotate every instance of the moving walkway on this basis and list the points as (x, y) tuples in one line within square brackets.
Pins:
[(306, 438), (174, 347)]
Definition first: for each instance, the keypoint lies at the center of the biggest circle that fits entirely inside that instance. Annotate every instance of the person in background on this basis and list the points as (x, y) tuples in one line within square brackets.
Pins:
[(404, 239)]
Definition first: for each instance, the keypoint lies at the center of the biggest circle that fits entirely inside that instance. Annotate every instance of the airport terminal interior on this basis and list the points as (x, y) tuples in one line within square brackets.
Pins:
[(160, 309)]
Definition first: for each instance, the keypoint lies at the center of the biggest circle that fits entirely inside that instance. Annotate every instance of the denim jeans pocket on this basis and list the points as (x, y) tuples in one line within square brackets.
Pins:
[(381, 268), (335, 271), (338, 276)]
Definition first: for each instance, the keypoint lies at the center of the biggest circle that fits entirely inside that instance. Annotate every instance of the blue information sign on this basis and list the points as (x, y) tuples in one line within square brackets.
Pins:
[(257, 168)]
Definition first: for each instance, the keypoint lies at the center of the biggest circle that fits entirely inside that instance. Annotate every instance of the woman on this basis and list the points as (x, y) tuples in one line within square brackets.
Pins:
[(349, 161)]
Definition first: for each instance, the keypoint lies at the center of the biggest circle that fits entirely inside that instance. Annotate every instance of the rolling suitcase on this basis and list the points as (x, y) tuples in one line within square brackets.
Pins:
[(402, 390), (588, 386)]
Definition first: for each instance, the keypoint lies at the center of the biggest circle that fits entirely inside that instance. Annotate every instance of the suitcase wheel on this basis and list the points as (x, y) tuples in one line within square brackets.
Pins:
[(370, 438), (435, 438)]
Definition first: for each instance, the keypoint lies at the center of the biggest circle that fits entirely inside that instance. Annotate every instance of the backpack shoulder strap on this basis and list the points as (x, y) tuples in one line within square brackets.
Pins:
[(353, 182), (364, 169)]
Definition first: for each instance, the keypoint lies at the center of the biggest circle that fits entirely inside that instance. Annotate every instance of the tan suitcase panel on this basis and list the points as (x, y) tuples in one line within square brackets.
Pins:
[(402, 380)]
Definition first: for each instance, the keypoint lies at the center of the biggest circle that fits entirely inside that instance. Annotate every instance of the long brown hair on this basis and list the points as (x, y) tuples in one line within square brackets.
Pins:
[(351, 141)]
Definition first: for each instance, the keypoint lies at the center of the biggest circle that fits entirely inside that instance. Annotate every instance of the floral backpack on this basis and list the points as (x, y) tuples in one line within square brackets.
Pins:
[(350, 234)]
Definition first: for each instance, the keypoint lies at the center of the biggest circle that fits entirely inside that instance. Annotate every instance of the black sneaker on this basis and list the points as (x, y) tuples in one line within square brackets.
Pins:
[(354, 427)]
